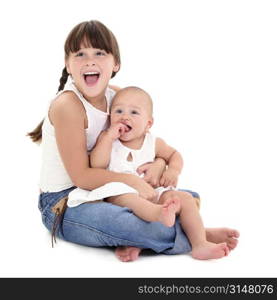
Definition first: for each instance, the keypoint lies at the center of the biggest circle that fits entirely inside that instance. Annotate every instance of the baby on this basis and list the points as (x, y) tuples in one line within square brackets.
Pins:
[(128, 144)]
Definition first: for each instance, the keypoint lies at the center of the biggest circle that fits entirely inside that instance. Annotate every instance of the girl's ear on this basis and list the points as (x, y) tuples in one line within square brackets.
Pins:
[(116, 68), (67, 67)]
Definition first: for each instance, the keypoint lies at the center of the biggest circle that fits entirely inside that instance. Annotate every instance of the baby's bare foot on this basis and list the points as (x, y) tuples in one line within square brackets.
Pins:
[(207, 250), (127, 253), (168, 211), (221, 235)]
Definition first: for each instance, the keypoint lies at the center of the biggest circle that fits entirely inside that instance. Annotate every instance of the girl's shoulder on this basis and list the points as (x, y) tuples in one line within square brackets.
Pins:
[(66, 104)]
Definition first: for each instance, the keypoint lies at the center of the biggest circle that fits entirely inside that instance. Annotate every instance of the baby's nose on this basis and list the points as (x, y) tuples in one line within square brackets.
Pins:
[(125, 117)]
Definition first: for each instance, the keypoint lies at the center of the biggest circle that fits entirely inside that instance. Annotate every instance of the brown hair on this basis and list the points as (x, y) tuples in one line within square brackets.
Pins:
[(90, 34)]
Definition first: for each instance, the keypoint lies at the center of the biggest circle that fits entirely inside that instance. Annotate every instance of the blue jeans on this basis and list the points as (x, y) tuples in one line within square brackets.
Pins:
[(103, 224)]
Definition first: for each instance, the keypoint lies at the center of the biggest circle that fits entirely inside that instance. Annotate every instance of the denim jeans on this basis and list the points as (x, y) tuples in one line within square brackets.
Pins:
[(103, 224)]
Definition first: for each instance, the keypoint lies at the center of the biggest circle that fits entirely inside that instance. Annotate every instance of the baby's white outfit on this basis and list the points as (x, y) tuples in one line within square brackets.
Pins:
[(119, 163)]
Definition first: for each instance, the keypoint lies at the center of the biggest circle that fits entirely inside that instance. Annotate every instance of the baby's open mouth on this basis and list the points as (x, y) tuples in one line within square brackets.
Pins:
[(91, 77), (128, 128)]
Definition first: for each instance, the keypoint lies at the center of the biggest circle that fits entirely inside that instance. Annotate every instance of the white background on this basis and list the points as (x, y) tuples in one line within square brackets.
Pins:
[(211, 68)]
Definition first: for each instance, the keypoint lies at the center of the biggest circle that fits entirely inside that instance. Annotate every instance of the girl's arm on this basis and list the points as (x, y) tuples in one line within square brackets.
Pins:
[(68, 117), (101, 153), (174, 162)]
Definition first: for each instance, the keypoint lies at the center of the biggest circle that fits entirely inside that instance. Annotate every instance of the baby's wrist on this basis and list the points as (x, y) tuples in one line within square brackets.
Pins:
[(109, 136)]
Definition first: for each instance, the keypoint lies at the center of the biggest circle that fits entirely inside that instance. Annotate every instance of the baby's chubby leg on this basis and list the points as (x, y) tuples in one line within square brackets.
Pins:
[(148, 211), (193, 226)]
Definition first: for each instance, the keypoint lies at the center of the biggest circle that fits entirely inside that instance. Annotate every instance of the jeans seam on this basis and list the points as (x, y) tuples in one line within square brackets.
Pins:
[(101, 232), (93, 229)]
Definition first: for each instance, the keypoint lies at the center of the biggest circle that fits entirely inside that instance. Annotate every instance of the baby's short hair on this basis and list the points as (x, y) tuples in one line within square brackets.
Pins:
[(137, 90)]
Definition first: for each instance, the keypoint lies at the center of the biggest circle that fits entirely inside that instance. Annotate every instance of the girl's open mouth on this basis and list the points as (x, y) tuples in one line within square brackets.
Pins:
[(91, 78)]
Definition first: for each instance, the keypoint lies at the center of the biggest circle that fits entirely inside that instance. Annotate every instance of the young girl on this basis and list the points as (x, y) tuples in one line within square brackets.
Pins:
[(69, 131), (127, 144)]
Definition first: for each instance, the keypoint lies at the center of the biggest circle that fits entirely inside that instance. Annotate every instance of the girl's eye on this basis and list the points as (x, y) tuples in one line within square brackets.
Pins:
[(80, 54), (100, 53)]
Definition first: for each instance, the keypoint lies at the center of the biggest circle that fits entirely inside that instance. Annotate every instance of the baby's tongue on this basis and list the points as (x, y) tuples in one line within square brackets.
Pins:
[(91, 79)]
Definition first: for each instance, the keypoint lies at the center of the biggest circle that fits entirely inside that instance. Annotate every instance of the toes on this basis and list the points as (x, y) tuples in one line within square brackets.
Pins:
[(122, 254), (126, 254), (227, 251), (134, 255), (225, 248), (234, 233), (232, 243), (124, 258)]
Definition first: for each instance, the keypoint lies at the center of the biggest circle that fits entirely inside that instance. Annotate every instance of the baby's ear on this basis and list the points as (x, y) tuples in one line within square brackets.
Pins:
[(150, 123)]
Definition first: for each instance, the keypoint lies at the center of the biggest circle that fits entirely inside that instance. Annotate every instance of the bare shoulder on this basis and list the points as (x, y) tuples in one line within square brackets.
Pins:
[(66, 105), (114, 87)]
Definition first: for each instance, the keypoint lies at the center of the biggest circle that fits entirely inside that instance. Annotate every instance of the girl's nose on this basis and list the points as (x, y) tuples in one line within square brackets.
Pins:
[(90, 63)]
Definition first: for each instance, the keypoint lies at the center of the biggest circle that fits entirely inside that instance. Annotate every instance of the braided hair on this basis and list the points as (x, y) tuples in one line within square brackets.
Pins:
[(63, 79)]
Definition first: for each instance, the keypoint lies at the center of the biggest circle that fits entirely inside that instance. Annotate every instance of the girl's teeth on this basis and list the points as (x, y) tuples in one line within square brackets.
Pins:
[(91, 73)]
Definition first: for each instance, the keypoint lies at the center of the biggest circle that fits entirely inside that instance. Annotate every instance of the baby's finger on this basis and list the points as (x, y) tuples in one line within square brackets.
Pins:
[(142, 169), (166, 183), (162, 181), (154, 182), (121, 128)]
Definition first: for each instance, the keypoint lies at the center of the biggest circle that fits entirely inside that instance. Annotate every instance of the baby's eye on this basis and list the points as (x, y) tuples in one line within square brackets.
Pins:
[(134, 112), (118, 111)]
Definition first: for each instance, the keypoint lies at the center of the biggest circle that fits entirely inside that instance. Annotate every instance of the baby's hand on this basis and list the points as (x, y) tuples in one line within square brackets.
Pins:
[(152, 172), (169, 178), (116, 130)]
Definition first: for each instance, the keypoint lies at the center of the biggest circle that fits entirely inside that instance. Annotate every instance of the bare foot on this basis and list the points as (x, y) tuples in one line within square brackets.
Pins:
[(207, 250), (168, 212), (127, 253), (221, 235)]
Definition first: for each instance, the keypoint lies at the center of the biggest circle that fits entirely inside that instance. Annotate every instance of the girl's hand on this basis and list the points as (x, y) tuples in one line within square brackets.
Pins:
[(115, 131), (144, 189), (169, 178), (152, 172)]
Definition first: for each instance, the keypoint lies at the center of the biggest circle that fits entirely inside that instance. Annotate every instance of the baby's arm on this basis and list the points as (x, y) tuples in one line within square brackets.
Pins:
[(174, 162), (100, 155)]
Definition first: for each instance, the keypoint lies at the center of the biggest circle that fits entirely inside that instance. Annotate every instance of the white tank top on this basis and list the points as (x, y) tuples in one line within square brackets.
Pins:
[(119, 155), (53, 175)]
